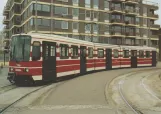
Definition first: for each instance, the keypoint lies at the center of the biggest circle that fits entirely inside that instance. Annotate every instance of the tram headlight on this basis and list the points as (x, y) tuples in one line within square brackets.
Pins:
[(11, 69), (26, 70)]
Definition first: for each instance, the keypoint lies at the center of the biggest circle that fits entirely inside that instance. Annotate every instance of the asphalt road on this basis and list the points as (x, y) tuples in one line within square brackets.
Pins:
[(82, 95), (3, 77)]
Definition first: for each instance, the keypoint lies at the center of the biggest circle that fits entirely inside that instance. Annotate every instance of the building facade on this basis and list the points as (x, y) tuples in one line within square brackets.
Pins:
[(121, 22)]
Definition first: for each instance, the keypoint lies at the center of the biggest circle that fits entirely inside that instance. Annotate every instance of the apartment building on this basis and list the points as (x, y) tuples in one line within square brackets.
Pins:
[(121, 22)]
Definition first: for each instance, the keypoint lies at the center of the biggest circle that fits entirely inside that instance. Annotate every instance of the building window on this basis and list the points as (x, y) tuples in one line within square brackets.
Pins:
[(61, 10), (38, 7), (31, 21), (88, 14), (90, 52), (106, 16), (126, 53), (88, 38), (95, 28), (74, 52), (58, 24), (107, 28), (61, 24), (95, 3), (100, 53), (87, 27), (75, 12), (87, 3), (75, 1), (64, 25), (46, 8), (95, 15), (75, 25), (96, 39), (106, 4), (46, 22), (64, 51)]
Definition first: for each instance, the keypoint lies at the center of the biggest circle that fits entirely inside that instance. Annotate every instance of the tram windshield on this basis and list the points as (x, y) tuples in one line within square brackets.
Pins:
[(20, 48)]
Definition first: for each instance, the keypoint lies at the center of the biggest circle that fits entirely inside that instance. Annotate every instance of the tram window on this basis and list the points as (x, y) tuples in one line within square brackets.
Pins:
[(100, 53), (126, 53), (36, 51), (148, 54), (52, 51), (116, 53), (74, 51), (90, 52), (64, 51), (141, 54)]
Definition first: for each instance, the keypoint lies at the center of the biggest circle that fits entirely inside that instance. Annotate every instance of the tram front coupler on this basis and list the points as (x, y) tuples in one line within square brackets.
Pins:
[(11, 77)]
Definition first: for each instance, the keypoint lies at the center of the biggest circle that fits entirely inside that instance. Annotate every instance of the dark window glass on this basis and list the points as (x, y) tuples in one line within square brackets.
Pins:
[(74, 52), (90, 52), (36, 51), (141, 54), (64, 51), (100, 53), (148, 54), (115, 53), (126, 53)]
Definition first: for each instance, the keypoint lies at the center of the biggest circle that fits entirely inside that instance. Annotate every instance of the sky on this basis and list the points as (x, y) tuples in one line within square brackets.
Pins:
[(3, 2)]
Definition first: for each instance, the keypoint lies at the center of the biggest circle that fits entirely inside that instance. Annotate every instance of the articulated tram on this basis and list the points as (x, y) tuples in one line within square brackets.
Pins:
[(40, 57)]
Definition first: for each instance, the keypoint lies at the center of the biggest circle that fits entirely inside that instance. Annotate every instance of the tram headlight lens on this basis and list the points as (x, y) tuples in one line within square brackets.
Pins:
[(26, 70), (11, 69)]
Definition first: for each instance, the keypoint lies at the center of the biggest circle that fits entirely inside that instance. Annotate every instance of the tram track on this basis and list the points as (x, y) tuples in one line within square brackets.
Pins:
[(133, 108), (54, 87), (7, 88)]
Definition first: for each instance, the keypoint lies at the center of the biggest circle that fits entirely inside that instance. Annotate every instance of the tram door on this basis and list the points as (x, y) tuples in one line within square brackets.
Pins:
[(154, 56), (108, 59), (49, 61), (133, 58), (83, 60)]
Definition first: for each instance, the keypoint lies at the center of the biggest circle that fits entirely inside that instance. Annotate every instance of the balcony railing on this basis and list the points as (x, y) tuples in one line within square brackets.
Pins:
[(130, 34), (116, 8), (155, 26), (116, 21), (153, 15), (133, 1), (130, 22)]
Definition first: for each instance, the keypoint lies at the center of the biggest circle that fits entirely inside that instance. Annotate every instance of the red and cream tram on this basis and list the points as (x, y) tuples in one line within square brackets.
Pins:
[(44, 57)]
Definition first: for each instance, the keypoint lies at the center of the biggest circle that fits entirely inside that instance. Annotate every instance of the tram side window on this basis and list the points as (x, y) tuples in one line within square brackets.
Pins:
[(74, 52), (100, 53), (148, 54), (116, 53), (64, 51), (90, 52), (141, 54), (36, 51), (126, 53)]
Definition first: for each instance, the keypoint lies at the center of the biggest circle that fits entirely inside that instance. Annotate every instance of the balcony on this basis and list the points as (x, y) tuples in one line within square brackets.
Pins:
[(131, 12), (132, 1), (116, 9), (155, 26), (154, 37), (153, 15), (130, 34), (153, 5), (117, 33), (130, 23), (117, 21), (5, 10), (5, 20)]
